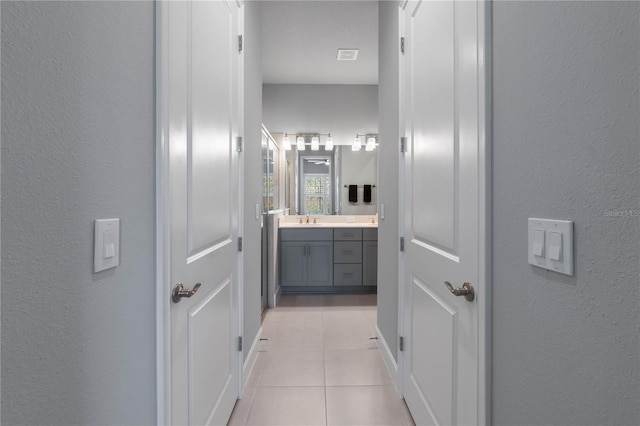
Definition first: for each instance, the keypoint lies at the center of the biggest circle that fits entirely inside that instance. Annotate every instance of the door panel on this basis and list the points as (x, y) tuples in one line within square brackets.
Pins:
[(210, 115), (207, 386), (320, 263), (442, 210), (435, 143), (202, 67)]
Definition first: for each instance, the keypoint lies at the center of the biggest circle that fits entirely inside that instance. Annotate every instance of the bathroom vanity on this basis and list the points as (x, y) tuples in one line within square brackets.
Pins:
[(328, 256)]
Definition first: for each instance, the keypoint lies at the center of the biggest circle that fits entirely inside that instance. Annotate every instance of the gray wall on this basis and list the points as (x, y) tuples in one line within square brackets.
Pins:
[(566, 146), (389, 152), (358, 168), (342, 110), (252, 170), (77, 145)]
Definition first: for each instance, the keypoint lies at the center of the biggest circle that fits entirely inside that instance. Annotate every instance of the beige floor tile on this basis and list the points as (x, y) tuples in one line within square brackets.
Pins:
[(242, 407), (351, 368), (365, 405), (292, 368), (256, 372), (288, 406), (297, 335)]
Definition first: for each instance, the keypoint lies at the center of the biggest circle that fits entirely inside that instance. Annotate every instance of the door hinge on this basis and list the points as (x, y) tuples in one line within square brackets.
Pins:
[(239, 343), (401, 344), (239, 243), (402, 45), (403, 144), (239, 143), (401, 243), (240, 43)]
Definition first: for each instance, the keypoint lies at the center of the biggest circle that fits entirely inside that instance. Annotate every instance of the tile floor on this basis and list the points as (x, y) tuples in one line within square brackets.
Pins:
[(320, 367)]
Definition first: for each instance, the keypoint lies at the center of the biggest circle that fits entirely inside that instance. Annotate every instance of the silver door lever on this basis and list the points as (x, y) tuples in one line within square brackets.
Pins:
[(179, 292), (466, 290)]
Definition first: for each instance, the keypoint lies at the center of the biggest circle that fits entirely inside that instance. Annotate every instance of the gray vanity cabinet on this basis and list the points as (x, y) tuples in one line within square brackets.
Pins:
[(306, 257), (370, 257)]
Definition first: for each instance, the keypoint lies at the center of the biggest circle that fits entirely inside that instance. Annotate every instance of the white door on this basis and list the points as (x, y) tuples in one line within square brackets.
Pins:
[(444, 211), (201, 59)]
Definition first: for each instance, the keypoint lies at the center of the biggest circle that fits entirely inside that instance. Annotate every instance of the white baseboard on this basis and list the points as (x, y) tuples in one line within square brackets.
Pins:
[(388, 359), (249, 363)]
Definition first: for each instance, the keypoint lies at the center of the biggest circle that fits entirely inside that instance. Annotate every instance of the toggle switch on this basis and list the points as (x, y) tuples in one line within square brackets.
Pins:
[(538, 242), (555, 246), (106, 251)]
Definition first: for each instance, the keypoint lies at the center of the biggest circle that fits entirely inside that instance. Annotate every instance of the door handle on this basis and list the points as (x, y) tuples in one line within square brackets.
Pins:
[(466, 291), (179, 292)]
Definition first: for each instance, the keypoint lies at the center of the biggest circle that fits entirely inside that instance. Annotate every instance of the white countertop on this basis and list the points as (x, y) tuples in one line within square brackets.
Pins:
[(329, 225), (333, 221)]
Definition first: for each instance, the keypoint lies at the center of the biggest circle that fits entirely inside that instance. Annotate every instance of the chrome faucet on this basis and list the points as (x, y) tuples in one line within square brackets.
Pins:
[(307, 217)]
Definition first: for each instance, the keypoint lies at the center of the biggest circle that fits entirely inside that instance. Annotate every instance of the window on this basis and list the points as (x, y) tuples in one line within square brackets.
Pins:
[(317, 193)]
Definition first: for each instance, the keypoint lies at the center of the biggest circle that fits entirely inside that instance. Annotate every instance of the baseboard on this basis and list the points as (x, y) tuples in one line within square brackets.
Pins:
[(250, 362), (388, 359)]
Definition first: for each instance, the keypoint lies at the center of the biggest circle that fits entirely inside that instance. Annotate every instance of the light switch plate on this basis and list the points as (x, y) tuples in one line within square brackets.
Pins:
[(558, 241), (106, 251)]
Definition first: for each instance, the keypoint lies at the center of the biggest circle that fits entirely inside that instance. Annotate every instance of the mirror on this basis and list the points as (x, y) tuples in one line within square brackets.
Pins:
[(319, 181)]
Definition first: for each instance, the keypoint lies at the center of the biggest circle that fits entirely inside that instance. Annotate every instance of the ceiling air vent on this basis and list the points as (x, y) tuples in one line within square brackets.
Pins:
[(347, 54)]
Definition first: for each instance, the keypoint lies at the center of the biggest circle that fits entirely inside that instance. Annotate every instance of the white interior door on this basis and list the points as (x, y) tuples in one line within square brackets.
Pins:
[(202, 84), (444, 211)]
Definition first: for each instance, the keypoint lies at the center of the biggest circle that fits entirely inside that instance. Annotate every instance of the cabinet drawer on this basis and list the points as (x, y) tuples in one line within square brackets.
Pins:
[(370, 234), (347, 252), (347, 274), (306, 234), (347, 234)]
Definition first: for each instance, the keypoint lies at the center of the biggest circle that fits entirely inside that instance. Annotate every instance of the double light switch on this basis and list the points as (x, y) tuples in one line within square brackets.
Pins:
[(551, 245)]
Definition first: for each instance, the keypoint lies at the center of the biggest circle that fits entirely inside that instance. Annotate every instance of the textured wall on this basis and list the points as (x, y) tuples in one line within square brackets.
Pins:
[(358, 168), (343, 110), (252, 170), (77, 144), (389, 152), (566, 146)]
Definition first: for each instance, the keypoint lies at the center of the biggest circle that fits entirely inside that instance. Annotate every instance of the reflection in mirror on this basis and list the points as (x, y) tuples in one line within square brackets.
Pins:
[(316, 182), (270, 172)]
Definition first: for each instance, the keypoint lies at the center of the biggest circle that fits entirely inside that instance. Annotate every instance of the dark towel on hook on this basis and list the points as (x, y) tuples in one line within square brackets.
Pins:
[(353, 193), (366, 197)]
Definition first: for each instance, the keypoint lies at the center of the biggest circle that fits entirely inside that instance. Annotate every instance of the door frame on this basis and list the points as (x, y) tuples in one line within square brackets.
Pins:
[(163, 217), (484, 209)]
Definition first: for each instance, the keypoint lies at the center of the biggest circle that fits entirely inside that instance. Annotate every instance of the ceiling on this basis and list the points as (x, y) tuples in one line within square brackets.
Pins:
[(301, 39)]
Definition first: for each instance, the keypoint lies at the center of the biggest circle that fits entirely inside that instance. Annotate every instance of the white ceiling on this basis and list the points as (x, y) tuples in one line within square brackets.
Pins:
[(301, 40)]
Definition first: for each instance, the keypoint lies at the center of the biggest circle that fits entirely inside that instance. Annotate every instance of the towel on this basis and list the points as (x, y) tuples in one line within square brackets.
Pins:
[(366, 197), (353, 193)]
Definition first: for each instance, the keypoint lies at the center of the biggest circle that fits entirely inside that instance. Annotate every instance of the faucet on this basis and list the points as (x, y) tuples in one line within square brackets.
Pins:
[(307, 217)]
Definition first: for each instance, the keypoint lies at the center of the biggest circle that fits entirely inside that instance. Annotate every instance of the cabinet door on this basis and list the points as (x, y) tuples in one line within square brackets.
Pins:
[(370, 263), (320, 263), (293, 263)]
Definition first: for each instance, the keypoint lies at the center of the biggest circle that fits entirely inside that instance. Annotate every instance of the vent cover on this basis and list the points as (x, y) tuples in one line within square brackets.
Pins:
[(347, 54)]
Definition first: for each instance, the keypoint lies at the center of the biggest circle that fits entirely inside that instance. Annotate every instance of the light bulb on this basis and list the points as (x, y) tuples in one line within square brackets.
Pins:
[(285, 143), (315, 143), (357, 144), (371, 144), (328, 145), (300, 143)]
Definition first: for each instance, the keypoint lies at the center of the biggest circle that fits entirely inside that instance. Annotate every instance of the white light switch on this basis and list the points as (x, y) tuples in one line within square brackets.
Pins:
[(551, 245), (555, 246), (538, 242), (106, 244)]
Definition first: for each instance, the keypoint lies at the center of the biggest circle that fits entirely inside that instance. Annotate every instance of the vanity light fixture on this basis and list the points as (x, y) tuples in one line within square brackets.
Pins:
[(371, 144), (357, 144), (286, 144), (328, 145), (300, 143), (315, 143)]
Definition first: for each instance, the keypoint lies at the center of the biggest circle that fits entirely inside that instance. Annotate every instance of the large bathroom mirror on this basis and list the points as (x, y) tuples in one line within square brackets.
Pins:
[(340, 181)]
